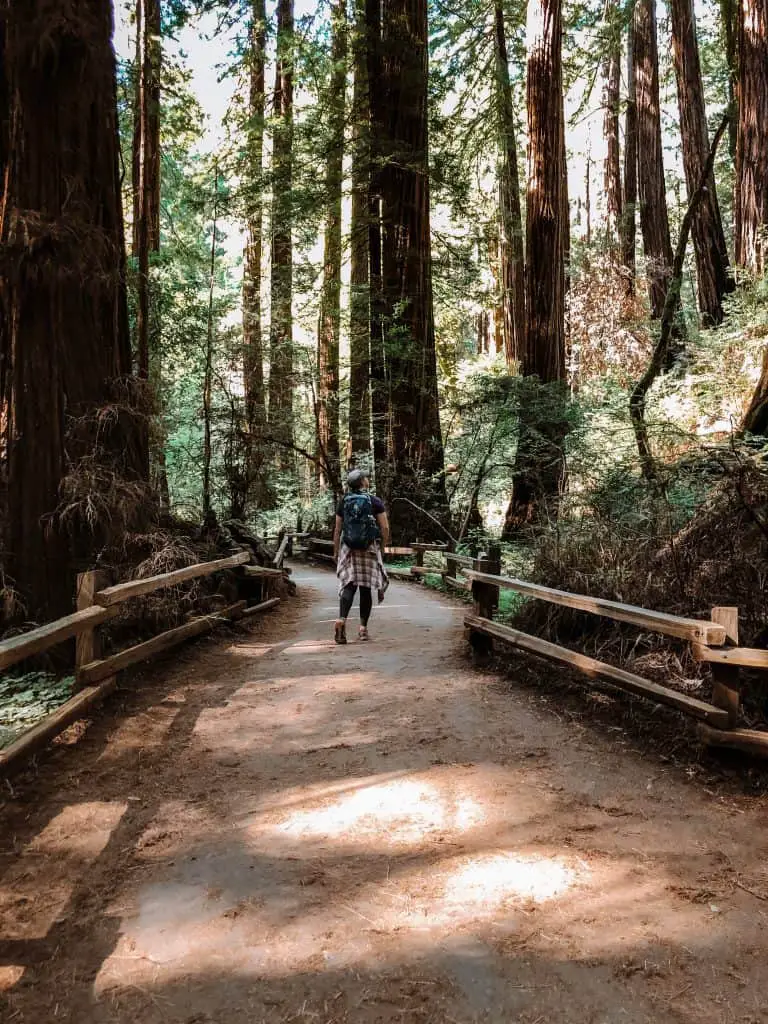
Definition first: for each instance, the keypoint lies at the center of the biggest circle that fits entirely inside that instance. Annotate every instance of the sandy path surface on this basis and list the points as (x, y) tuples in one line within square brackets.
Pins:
[(274, 829)]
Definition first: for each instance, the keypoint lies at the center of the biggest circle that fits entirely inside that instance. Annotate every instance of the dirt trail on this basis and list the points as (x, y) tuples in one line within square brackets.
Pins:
[(273, 831)]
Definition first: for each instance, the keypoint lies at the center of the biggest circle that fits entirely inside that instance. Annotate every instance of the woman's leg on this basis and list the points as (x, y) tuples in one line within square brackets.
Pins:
[(366, 604), (346, 599)]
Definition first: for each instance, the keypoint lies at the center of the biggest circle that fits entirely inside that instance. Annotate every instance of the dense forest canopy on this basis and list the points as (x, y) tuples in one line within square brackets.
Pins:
[(510, 257)]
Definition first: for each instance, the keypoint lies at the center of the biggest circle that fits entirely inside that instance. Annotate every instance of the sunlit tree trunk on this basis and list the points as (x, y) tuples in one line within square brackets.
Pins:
[(651, 185), (360, 296), (713, 273), (628, 219), (63, 314), (752, 141), (281, 324), (511, 220), (611, 112), (330, 306), (416, 441), (540, 467), (253, 351)]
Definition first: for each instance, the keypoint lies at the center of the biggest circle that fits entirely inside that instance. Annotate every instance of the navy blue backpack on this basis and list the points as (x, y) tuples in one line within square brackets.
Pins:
[(360, 527)]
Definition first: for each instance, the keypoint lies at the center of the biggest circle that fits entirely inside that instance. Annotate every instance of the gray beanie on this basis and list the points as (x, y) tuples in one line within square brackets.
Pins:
[(355, 479)]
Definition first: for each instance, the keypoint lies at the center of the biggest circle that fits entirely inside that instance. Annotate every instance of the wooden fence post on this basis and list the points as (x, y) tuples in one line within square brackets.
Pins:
[(726, 688), (485, 598), (88, 643)]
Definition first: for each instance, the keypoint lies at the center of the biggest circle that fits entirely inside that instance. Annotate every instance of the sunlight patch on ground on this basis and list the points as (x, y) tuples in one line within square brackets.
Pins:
[(70, 842), (492, 879), (396, 812), (146, 730), (10, 974)]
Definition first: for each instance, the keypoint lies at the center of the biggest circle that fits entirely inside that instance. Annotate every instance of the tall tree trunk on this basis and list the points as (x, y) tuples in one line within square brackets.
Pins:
[(611, 111), (713, 273), (752, 142), (330, 305), (511, 220), (146, 169), (380, 419), (253, 351), (728, 21), (281, 325), (63, 313), (416, 441), (628, 219), (209, 342), (539, 470), (651, 185), (360, 295)]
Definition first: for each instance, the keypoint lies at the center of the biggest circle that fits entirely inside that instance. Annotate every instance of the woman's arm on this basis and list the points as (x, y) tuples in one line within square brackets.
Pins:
[(383, 520), (337, 536)]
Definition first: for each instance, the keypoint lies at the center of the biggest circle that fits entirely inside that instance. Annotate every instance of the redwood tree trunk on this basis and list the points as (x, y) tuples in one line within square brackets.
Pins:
[(540, 466), (511, 220), (330, 306), (253, 358), (360, 296), (416, 441), (146, 167), (380, 419), (651, 185), (281, 324), (728, 22), (63, 316), (611, 110), (713, 273), (752, 141), (628, 220)]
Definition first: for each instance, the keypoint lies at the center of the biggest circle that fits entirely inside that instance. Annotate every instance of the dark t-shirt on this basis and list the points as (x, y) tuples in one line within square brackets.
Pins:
[(378, 506)]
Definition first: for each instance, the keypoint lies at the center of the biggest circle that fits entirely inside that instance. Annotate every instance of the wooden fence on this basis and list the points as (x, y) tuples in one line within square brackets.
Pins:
[(714, 641), (96, 677)]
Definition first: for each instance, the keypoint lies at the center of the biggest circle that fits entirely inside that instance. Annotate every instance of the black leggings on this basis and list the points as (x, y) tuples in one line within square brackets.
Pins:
[(348, 597)]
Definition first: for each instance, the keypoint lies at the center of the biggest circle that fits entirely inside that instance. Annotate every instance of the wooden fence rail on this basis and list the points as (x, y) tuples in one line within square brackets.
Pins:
[(96, 677), (708, 637)]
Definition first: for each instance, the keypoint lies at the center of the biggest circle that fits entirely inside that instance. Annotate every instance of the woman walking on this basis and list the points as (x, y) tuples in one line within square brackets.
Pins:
[(362, 528)]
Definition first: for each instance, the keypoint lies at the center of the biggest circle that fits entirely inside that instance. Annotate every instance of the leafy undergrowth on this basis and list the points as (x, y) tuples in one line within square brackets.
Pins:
[(25, 699)]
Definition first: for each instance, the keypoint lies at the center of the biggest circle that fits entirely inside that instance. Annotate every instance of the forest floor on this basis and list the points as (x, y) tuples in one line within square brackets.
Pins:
[(271, 829)]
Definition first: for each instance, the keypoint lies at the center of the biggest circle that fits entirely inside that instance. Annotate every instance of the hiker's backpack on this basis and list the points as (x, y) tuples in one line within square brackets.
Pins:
[(360, 527)]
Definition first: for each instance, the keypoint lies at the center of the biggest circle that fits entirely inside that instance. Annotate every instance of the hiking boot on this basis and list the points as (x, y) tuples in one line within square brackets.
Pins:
[(362, 633), (340, 632)]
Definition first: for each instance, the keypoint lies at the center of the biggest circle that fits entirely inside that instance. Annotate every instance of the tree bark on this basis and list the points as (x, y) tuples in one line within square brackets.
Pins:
[(628, 220), (540, 464), (756, 418), (545, 340), (63, 312), (511, 220), (209, 343), (611, 110), (360, 295), (380, 409), (281, 324), (752, 140), (714, 277), (253, 350), (416, 441), (651, 185), (146, 170), (330, 303), (728, 22)]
